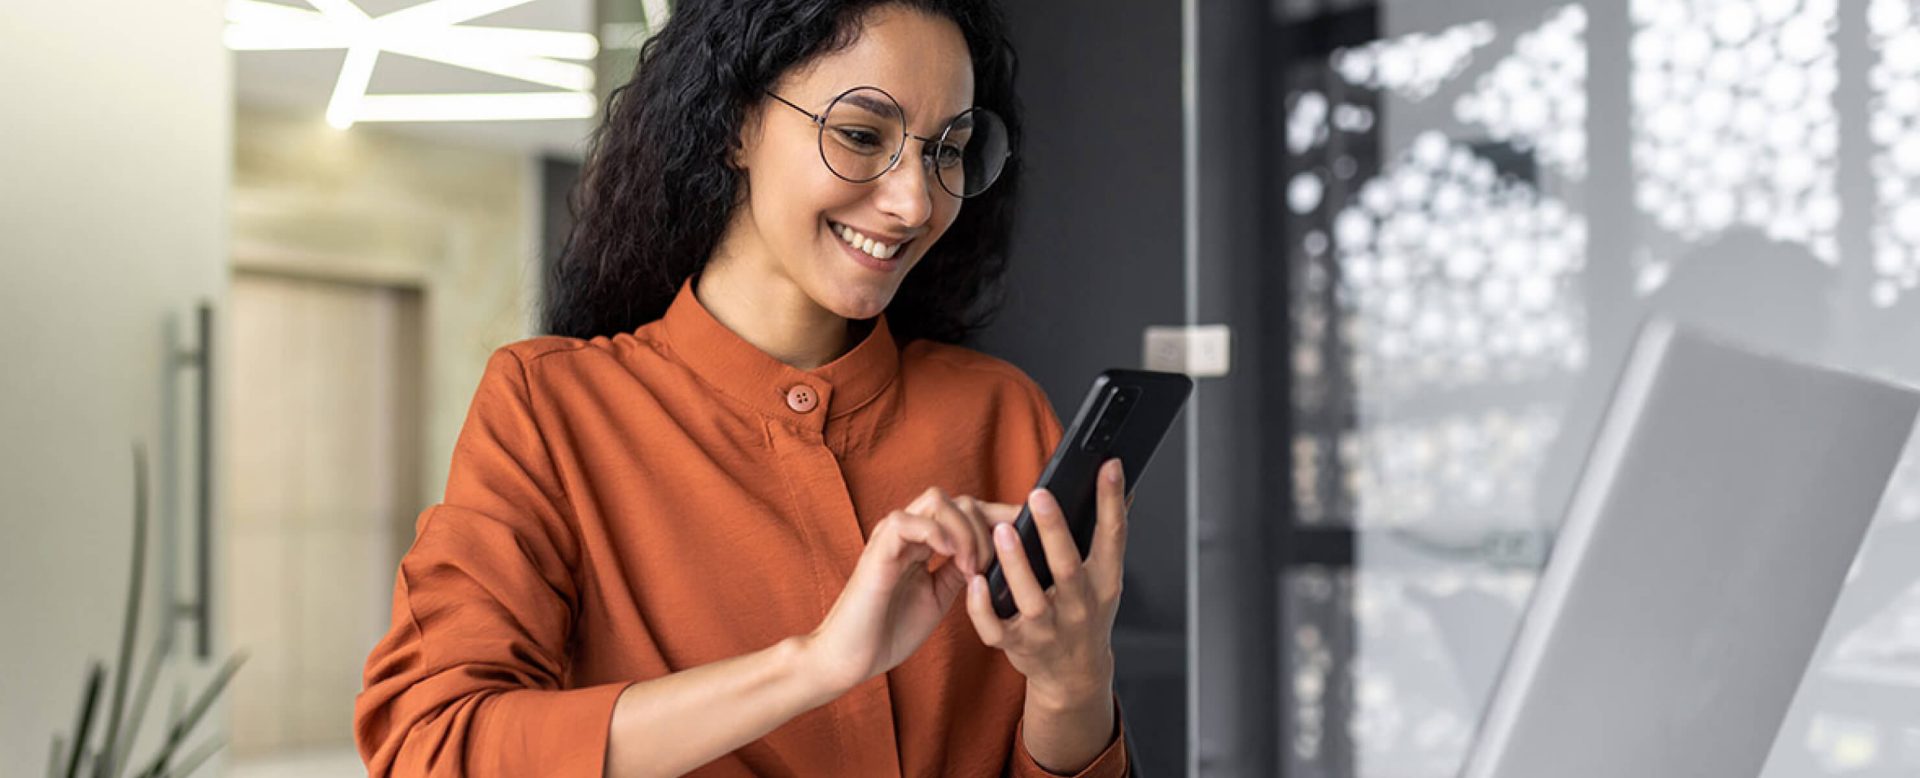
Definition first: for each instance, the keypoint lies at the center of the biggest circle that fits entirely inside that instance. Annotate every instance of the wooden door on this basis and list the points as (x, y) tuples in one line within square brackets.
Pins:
[(323, 448)]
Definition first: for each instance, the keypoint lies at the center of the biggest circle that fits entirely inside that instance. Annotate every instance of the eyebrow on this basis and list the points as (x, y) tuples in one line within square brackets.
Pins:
[(879, 106), (870, 103)]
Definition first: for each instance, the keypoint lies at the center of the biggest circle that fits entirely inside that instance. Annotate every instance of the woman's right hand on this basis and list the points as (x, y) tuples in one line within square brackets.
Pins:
[(899, 592)]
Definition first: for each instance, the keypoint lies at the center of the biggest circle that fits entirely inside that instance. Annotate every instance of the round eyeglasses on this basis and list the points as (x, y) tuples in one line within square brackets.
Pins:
[(863, 134)]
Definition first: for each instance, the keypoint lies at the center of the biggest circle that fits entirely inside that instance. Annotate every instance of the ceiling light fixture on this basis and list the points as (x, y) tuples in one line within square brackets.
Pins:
[(434, 31)]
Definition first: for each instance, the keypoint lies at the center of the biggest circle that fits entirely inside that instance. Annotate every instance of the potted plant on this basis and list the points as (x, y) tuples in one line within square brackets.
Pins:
[(105, 751)]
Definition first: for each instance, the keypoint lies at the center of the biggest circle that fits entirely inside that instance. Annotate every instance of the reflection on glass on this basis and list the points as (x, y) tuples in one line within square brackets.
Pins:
[(1447, 322), (1536, 98), (1734, 122), (1896, 162), (1456, 276)]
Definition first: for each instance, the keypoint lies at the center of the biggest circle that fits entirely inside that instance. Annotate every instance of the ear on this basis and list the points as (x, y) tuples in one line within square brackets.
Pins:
[(747, 139)]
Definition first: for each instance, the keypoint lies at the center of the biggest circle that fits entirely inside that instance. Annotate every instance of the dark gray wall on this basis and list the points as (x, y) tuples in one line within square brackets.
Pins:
[(1098, 257), (557, 179), (1243, 417)]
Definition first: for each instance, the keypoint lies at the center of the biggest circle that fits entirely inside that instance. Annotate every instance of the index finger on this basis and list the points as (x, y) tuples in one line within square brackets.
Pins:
[(1107, 555), (993, 512), (967, 528)]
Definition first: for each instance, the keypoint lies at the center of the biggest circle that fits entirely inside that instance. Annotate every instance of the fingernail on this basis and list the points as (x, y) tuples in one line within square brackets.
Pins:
[(1043, 500), (1113, 471), (1003, 536), (977, 582)]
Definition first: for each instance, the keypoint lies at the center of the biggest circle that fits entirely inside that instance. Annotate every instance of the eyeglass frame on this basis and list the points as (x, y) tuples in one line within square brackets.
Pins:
[(819, 121)]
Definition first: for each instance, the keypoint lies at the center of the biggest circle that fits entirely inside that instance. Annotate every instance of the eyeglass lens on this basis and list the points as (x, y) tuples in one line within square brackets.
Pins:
[(864, 131)]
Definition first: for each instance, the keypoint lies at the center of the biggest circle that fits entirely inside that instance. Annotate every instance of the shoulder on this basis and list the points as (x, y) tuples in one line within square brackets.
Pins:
[(550, 354), (555, 364), (991, 397), (522, 353), (965, 369), (959, 377)]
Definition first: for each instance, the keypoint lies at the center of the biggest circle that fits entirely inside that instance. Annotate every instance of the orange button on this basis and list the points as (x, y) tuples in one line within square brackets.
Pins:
[(802, 398)]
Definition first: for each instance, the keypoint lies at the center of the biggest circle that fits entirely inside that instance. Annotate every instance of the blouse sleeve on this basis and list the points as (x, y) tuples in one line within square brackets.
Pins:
[(1113, 762), (471, 678), (1049, 421)]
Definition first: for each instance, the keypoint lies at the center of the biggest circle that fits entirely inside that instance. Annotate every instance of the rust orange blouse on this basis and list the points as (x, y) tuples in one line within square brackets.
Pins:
[(623, 508)]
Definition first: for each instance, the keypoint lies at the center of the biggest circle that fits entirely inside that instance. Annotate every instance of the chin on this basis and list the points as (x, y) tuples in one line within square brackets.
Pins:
[(858, 295), (854, 300), (863, 307)]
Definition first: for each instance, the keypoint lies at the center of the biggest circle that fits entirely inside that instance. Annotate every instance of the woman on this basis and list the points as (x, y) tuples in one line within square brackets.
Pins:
[(721, 520)]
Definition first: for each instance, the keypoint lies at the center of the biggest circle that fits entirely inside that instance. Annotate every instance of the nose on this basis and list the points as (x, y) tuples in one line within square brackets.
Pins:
[(906, 192)]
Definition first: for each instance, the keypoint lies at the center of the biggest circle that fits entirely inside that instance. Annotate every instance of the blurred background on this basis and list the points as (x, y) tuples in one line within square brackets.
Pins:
[(1403, 245)]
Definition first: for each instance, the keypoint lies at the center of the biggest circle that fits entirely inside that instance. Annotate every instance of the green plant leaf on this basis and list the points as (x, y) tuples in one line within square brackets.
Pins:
[(105, 766), (89, 700), (177, 734), (162, 648), (197, 757)]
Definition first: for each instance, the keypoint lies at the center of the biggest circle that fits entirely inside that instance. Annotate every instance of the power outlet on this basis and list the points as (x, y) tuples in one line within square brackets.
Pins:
[(1200, 351)]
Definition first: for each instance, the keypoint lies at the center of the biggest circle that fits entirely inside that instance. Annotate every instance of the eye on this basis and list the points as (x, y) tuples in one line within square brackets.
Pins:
[(860, 139), (948, 155)]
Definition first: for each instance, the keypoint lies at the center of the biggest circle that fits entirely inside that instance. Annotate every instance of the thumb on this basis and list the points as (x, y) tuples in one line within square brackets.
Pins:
[(948, 584), (890, 554)]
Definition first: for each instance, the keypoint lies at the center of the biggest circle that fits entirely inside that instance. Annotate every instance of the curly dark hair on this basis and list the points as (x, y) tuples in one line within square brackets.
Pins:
[(656, 191)]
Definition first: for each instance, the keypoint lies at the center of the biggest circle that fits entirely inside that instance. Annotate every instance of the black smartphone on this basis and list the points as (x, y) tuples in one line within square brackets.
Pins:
[(1125, 415)]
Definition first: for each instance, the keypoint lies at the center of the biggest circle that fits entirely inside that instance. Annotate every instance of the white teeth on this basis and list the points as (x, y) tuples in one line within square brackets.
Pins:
[(872, 247)]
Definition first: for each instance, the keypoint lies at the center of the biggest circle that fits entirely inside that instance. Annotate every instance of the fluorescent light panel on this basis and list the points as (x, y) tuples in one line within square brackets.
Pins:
[(537, 70), (344, 10), (430, 31), (555, 44), (476, 107), (352, 86), (446, 13)]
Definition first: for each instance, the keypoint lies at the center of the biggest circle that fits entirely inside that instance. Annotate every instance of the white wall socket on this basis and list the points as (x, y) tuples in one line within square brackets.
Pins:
[(1200, 351)]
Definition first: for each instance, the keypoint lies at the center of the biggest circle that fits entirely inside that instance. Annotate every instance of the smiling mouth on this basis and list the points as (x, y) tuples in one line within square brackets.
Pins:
[(865, 244)]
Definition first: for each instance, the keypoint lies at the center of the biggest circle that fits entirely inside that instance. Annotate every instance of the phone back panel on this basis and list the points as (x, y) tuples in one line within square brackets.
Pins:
[(1071, 475)]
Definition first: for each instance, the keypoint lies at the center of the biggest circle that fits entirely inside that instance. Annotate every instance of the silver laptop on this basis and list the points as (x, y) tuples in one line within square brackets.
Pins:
[(1720, 508)]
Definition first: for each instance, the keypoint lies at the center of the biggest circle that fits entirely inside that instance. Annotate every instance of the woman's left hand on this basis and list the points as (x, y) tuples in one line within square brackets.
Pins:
[(1061, 640)]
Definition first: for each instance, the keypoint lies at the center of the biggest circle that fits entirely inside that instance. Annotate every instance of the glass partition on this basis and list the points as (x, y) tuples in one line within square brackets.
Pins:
[(1480, 201)]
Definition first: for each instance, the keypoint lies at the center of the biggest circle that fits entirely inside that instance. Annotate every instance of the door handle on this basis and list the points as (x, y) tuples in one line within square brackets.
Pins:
[(200, 361)]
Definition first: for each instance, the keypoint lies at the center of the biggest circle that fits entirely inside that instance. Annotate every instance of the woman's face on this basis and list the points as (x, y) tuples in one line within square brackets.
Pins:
[(796, 210)]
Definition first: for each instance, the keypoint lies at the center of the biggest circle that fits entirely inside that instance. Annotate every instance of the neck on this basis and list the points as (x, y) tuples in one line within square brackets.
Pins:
[(771, 312)]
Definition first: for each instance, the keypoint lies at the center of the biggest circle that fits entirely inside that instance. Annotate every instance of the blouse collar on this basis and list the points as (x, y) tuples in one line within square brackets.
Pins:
[(776, 389)]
